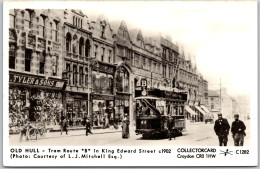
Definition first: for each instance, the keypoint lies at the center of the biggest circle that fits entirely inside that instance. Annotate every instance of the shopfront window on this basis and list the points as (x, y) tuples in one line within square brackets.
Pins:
[(122, 80), (103, 113), (102, 83)]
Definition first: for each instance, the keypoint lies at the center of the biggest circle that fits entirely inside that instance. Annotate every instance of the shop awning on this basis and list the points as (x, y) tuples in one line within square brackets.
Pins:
[(188, 109), (200, 110), (205, 108)]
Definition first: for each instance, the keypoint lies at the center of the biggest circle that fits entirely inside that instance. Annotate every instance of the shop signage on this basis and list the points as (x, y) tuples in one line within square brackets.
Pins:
[(102, 97), (36, 42), (144, 87), (30, 80), (105, 69)]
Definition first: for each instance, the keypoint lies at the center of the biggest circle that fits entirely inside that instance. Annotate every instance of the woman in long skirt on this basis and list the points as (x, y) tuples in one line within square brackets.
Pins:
[(125, 127)]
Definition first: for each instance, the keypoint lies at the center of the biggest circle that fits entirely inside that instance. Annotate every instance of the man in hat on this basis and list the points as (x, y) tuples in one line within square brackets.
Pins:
[(238, 131), (88, 126), (221, 128), (170, 125)]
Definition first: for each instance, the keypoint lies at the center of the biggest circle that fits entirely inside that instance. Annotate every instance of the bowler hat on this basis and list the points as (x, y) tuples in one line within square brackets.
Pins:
[(236, 115), (219, 114)]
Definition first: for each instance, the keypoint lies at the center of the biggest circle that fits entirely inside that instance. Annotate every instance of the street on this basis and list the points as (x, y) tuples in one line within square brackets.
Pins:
[(197, 134)]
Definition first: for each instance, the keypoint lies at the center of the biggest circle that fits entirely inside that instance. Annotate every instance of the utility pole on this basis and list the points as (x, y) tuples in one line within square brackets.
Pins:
[(220, 100)]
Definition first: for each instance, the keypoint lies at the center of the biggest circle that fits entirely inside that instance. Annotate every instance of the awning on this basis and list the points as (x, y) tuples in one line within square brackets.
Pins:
[(200, 110), (188, 109), (147, 97), (204, 108)]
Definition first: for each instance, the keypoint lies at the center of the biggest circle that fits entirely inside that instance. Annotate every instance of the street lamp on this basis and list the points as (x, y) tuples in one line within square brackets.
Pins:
[(91, 62)]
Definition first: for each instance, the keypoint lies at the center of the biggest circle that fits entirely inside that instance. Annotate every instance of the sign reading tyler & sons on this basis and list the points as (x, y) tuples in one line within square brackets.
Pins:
[(31, 80)]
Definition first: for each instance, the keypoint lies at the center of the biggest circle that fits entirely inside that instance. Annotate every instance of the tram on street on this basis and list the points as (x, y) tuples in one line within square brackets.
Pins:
[(152, 110)]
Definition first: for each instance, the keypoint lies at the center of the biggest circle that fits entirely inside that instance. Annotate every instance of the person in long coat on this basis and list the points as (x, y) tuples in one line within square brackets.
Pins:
[(125, 127), (88, 126), (221, 128), (238, 131), (170, 125)]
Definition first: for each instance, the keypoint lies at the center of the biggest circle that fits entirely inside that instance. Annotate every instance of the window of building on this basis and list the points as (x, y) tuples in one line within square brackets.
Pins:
[(81, 46), (28, 57), (103, 54), (122, 80), (136, 60), (11, 56), (68, 42), (158, 68), (69, 73), (41, 26), (109, 56), (54, 65), (87, 48), (42, 62), (55, 31), (74, 44), (86, 77), (149, 65), (96, 51), (103, 31), (143, 62), (12, 19), (128, 53), (154, 67), (212, 106), (120, 51), (81, 76), (164, 70), (74, 77), (27, 19), (50, 30), (164, 53), (212, 98)]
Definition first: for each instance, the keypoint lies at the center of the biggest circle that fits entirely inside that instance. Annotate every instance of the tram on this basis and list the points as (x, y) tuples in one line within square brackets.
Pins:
[(152, 110)]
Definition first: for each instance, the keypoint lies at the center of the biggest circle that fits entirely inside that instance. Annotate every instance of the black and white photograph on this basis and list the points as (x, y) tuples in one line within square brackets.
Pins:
[(121, 75)]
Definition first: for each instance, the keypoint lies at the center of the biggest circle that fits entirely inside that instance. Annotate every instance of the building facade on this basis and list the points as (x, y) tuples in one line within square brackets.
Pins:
[(73, 67)]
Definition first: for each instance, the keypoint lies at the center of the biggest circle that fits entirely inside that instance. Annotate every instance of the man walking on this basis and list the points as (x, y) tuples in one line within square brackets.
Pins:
[(88, 126), (170, 124), (238, 131), (221, 128)]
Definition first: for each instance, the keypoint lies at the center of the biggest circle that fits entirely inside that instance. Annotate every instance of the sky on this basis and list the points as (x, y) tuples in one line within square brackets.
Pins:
[(220, 35)]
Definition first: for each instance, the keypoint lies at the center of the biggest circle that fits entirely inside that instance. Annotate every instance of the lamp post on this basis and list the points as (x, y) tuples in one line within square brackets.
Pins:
[(91, 63), (65, 78)]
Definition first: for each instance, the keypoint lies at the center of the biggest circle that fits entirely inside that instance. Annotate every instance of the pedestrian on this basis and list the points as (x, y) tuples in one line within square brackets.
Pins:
[(25, 131), (170, 125), (125, 127), (88, 127), (221, 128), (238, 131), (64, 126)]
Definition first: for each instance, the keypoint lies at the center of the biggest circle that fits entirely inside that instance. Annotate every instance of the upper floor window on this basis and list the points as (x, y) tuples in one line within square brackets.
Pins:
[(11, 56), (28, 57), (74, 78), (149, 64), (103, 54), (54, 65), (120, 51), (103, 31), (109, 56), (68, 42), (27, 19), (12, 19), (81, 76), (68, 70), (55, 31), (50, 33), (96, 51), (81, 46), (86, 77), (74, 44), (87, 48), (164, 53), (136, 60), (143, 62), (42, 62), (41, 26)]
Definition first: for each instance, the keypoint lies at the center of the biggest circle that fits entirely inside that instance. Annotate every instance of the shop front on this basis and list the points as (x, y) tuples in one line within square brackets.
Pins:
[(77, 108), (103, 100), (35, 99)]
